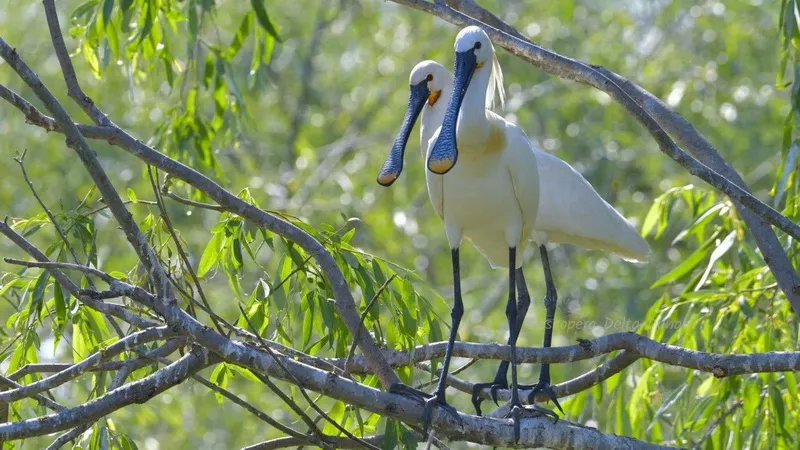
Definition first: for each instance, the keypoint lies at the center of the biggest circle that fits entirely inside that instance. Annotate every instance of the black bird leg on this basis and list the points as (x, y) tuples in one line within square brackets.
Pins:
[(550, 299), (438, 396), (501, 378)]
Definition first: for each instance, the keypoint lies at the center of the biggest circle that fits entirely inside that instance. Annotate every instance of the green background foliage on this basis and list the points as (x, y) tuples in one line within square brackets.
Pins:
[(294, 105)]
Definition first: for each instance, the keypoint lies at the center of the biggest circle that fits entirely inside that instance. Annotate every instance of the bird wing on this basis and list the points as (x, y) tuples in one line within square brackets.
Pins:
[(522, 166), (571, 211)]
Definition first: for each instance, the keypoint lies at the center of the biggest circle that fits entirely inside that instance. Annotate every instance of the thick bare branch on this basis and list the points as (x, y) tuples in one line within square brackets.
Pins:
[(136, 363), (655, 116), (634, 344), (44, 401)]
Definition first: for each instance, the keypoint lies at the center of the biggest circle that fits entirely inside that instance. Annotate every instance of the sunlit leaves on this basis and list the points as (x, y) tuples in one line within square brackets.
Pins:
[(179, 40)]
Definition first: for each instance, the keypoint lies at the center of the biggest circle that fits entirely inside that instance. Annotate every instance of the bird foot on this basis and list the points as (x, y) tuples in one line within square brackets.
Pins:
[(544, 386), (517, 411), (493, 386), (428, 401)]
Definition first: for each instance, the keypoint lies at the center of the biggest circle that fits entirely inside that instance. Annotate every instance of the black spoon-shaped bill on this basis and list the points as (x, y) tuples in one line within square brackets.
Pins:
[(444, 154), (390, 171)]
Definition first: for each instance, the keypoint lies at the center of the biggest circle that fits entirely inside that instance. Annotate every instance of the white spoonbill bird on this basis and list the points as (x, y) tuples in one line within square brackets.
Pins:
[(500, 191), (430, 85)]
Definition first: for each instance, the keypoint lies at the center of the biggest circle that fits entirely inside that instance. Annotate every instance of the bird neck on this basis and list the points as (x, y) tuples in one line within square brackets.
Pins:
[(473, 128), (432, 118)]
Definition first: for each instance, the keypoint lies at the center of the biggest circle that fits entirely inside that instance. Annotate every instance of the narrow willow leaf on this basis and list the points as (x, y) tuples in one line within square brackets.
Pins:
[(337, 415), (240, 37), (263, 19), (389, 436), (718, 252), (211, 254), (220, 377), (108, 8), (687, 266)]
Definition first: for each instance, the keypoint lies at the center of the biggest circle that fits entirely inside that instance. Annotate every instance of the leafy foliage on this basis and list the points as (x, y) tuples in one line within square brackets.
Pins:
[(219, 85)]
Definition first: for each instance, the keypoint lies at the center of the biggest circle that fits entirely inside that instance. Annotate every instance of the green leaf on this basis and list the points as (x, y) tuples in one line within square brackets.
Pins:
[(263, 19), (220, 377), (108, 7), (651, 219), (336, 414), (718, 252), (38, 293), (246, 373), (211, 254), (685, 268), (240, 37), (389, 436), (60, 304), (91, 58), (132, 196), (84, 9)]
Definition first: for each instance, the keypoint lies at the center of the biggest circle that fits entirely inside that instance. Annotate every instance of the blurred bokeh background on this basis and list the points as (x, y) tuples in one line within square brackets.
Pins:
[(308, 131)]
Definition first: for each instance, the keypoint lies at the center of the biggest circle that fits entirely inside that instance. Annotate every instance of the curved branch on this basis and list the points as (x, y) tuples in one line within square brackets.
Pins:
[(580, 383), (655, 116), (634, 344), (137, 392), (140, 337), (114, 310)]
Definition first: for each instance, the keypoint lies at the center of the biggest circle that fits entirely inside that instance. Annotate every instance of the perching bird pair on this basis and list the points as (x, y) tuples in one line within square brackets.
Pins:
[(489, 184)]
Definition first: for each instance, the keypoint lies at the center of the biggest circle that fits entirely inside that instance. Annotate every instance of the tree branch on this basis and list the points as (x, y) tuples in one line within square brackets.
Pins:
[(656, 117), (337, 441), (124, 344), (44, 401), (634, 344), (114, 310), (73, 88), (136, 392), (137, 363)]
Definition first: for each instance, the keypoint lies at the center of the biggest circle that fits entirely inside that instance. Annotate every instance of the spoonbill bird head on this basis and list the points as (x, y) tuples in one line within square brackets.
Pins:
[(426, 81), (473, 51)]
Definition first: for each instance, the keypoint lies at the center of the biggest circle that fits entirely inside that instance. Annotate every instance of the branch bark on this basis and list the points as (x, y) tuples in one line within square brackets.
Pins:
[(137, 392), (74, 371), (634, 344), (114, 310)]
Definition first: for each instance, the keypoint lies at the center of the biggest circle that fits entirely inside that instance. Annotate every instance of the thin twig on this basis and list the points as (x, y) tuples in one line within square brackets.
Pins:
[(302, 389), (68, 285), (44, 401), (364, 316), (179, 247), (73, 88)]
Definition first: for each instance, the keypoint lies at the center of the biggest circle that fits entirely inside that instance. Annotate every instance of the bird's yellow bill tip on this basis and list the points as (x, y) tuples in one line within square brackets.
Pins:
[(441, 166), (385, 179), (434, 97)]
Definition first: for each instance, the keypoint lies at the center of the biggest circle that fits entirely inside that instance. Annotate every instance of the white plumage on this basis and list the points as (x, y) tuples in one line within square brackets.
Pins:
[(489, 187)]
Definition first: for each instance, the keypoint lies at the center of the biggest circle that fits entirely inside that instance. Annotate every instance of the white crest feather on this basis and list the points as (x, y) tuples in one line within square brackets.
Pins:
[(495, 83)]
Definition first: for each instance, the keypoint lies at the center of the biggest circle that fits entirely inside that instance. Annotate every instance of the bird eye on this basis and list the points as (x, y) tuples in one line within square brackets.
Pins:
[(477, 45), (429, 77)]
